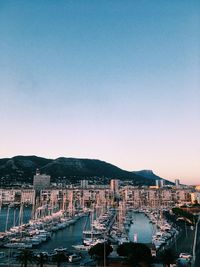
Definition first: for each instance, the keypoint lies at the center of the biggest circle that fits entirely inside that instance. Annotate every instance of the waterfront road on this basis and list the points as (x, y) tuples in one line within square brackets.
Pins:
[(184, 241), (188, 239), (197, 246)]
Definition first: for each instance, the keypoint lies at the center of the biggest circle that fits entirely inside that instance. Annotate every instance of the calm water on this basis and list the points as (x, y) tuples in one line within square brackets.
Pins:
[(67, 237), (142, 228), (73, 234), (12, 215)]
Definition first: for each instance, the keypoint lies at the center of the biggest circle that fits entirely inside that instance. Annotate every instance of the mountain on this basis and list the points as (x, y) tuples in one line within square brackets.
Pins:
[(22, 169), (150, 175)]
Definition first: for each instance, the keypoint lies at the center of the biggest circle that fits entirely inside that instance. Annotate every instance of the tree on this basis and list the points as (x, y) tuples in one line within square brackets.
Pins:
[(167, 257), (185, 215), (137, 254), (41, 258), (25, 256), (101, 251), (59, 257)]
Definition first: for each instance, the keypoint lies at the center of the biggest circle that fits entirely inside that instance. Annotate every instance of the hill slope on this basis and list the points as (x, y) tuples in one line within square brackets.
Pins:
[(149, 174), (22, 169)]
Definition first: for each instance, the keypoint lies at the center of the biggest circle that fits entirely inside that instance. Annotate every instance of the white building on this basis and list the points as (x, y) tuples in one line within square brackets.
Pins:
[(114, 186), (84, 183), (195, 197), (177, 182), (41, 181), (28, 196)]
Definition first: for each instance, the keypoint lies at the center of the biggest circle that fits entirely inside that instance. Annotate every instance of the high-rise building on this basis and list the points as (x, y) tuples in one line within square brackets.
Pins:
[(162, 183), (114, 185), (84, 183), (157, 183), (41, 181), (177, 182)]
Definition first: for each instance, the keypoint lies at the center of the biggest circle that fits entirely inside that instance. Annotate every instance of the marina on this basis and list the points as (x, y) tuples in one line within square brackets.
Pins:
[(82, 230), (72, 232)]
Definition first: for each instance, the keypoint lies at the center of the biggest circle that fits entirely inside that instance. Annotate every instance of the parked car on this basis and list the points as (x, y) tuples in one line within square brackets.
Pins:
[(185, 256), (74, 258)]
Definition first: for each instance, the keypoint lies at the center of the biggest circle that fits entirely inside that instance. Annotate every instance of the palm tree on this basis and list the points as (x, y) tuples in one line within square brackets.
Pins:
[(101, 251), (59, 257), (137, 254), (25, 256), (167, 257), (41, 258)]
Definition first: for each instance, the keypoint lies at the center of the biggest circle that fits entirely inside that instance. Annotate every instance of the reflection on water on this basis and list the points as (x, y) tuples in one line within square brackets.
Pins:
[(74, 233), (10, 217), (142, 228), (66, 237)]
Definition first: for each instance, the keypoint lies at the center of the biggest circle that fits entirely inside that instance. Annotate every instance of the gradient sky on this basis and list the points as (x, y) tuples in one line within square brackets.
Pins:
[(114, 80)]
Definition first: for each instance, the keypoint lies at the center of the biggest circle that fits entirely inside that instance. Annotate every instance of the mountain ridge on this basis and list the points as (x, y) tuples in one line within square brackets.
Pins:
[(148, 174), (22, 169)]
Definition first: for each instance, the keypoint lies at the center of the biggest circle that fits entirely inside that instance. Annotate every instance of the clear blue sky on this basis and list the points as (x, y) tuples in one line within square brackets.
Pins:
[(114, 80)]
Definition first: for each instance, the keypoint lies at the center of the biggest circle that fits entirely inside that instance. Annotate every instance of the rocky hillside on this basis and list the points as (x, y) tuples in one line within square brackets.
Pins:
[(149, 174), (22, 168)]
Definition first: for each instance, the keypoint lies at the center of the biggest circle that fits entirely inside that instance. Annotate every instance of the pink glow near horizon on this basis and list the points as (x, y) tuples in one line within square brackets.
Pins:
[(103, 80)]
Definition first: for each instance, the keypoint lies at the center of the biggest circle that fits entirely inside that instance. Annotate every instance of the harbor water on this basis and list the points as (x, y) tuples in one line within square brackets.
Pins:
[(10, 217), (73, 234), (141, 230)]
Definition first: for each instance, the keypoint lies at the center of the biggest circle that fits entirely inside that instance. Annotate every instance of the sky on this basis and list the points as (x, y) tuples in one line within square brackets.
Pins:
[(115, 80)]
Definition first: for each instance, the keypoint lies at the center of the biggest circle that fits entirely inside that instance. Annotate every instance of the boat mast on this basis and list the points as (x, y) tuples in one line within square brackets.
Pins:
[(14, 217), (7, 217), (21, 214)]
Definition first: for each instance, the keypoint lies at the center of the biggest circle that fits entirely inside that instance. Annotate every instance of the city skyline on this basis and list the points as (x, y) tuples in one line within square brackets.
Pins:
[(111, 80)]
